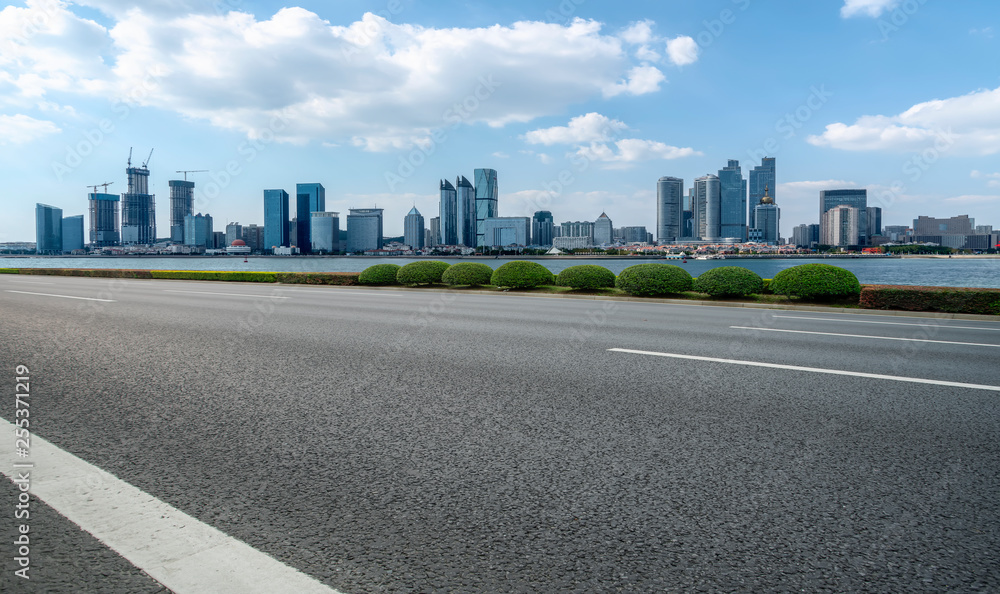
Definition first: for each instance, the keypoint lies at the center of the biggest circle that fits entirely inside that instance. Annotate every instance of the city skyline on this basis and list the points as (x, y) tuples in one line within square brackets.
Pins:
[(635, 96)]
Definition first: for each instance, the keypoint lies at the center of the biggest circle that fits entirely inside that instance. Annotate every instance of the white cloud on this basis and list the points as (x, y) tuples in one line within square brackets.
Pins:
[(639, 33), (632, 150), (501, 155), (870, 8), (682, 50), (969, 124), (640, 80), (591, 127), (973, 199), (19, 129)]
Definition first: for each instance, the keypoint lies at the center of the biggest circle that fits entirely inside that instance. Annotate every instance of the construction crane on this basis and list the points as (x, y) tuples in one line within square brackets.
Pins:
[(130, 156), (144, 165), (104, 185), (187, 171)]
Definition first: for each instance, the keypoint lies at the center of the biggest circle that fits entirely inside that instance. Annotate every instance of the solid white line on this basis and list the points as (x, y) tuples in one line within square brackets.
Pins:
[(175, 549), (63, 296), (996, 346), (225, 294), (895, 378), (924, 325)]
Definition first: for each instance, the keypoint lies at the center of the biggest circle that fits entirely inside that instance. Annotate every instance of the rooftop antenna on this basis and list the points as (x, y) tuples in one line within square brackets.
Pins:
[(187, 171)]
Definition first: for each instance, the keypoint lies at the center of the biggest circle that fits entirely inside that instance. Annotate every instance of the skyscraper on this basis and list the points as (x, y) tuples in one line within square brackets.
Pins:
[(48, 229), (506, 231), (181, 205), (733, 202), (449, 214), (761, 177), (435, 229), (198, 231), (234, 231), (309, 198), (324, 232), (275, 219), (541, 228), (104, 230), (364, 229), (767, 216), (604, 230), (841, 226), (466, 201), (413, 229), (855, 198), (138, 209), (669, 209), (487, 198), (72, 233), (873, 226), (707, 205)]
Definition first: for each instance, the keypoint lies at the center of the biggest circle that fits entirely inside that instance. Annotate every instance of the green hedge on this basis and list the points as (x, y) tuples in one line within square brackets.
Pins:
[(729, 281), (319, 278), (379, 274), (467, 273), (944, 299), (521, 274), (586, 276), (94, 273), (425, 272), (9, 271), (648, 280), (246, 277), (819, 282)]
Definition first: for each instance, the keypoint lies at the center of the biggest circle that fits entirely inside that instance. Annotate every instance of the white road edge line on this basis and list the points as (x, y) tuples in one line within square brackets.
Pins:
[(995, 346), (895, 378), (225, 294), (175, 549), (63, 296), (924, 325)]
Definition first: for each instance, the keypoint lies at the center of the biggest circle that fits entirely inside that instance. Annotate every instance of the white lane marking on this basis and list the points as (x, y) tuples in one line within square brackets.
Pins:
[(63, 296), (175, 549), (29, 282), (929, 323), (345, 292), (895, 378), (225, 294), (996, 346)]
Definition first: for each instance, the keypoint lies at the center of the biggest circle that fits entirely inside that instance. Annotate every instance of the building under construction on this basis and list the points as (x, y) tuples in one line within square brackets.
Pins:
[(181, 205), (104, 220), (138, 207)]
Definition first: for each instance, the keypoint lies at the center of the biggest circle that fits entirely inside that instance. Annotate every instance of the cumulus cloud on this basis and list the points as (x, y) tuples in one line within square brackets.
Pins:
[(640, 80), (682, 50), (973, 199), (869, 8), (19, 129), (591, 127), (629, 151), (969, 124)]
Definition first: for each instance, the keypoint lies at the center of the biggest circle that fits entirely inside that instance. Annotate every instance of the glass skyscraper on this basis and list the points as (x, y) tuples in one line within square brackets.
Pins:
[(413, 229), (855, 198), (72, 233), (309, 198), (669, 209), (104, 230), (48, 229), (364, 229), (448, 214), (181, 205), (466, 209), (707, 207), (733, 202), (541, 228), (604, 230), (762, 177), (487, 198), (324, 232), (275, 219)]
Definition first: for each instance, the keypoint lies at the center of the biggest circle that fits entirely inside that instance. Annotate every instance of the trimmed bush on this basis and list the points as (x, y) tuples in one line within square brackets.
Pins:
[(766, 290), (425, 272), (945, 299), (467, 273), (586, 276), (729, 281), (321, 278), (379, 274), (8, 271), (521, 274), (648, 280), (94, 273), (818, 282), (245, 277)]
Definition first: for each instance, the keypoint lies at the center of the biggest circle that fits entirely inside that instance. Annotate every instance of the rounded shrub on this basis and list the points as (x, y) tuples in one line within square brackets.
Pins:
[(729, 281), (647, 280), (586, 276), (467, 273), (379, 274), (521, 274), (820, 282), (421, 273)]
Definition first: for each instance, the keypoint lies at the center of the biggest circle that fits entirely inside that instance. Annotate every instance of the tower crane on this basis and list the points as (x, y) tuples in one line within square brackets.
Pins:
[(105, 185), (187, 171), (144, 165)]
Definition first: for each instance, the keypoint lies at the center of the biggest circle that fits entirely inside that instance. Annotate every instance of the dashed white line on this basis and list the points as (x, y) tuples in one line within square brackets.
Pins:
[(931, 323), (995, 346), (63, 296), (895, 378)]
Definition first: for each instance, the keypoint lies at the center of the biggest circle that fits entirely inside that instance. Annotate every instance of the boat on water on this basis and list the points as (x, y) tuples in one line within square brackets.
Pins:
[(713, 257)]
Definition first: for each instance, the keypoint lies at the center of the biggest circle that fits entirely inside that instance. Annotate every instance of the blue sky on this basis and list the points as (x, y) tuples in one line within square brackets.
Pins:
[(579, 105)]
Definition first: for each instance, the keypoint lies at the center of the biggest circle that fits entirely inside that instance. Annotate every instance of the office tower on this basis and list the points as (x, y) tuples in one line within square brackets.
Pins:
[(253, 236), (324, 232), (632, 235), (309, 198), (219, 240), (733, 202), (841, 226), (138, 209), (48, 229), (181, 205), (449, 214), (72, 233), (669, 209), (896, 232), (805, 235), (541, 228), (103, 209), (198, 231), (761, 177), (234, 231), (275, 219), (583, 229), (961, 225), (506, 231), (466, 208), (293, 232), (364, 229), (873, 226), (413, 229), (855, 198), (435, 229), (487, 200), (814, 233), (707, 198), (428, 238), (767, 216), (604, 230)]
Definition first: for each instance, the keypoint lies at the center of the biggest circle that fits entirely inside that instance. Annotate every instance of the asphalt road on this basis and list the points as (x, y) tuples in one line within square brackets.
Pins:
[(383, 440)]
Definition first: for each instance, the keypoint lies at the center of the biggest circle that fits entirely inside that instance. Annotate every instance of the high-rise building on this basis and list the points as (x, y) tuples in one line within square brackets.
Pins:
[(669, 209), (855, 198), (48, 229), (800, 236), (604, 230), (72, 233), (293, 232), (309, 198), (413, 229), (487, 200), (874, 223), (104, 230), (707, 207), (688, 227), (198, 231), (324, 232), (897, 232), (541, 228), (364, 229), (506, 231), (181, 205), (234, 231), (583, 229), (466, 211), (632, 235), (841, 226), (219, 240), (275, 219), (449, 214), (961, 225), (138, 209), (762, 177), (253, 236), (767, 217), (732, 202), (435, 229)]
